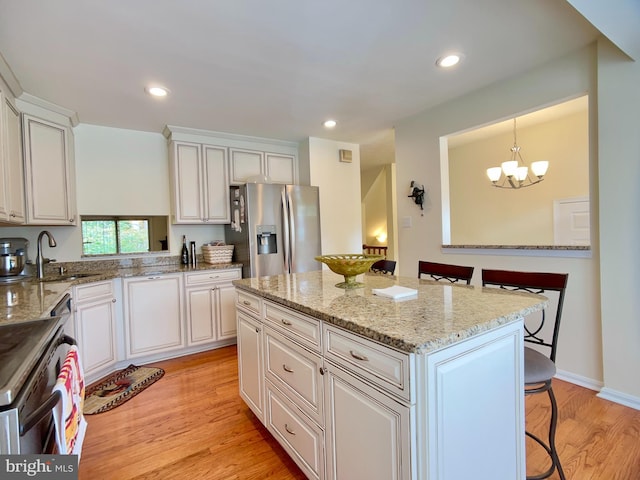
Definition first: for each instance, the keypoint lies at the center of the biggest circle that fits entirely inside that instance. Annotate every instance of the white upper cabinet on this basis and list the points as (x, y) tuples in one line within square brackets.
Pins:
[(281, 168), (11, 164), (49, 173), (245, 164), (204, 164), (200, 183), (277, 167)]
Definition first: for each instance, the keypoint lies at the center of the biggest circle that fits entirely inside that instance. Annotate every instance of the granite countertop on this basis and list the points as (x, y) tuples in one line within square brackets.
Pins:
[(31, 299), (440, 315)]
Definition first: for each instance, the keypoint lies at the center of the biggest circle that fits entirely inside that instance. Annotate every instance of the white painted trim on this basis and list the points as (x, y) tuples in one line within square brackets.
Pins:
[(47, 110), (174, 132), (585, 382), (519, 252), (603, 392), (9, 78), (620, 397)]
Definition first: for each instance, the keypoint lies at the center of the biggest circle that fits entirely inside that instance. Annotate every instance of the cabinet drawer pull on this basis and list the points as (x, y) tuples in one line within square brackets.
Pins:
[(286, 427), (358, 356), (287, 369), (286, 322), (247, 303)]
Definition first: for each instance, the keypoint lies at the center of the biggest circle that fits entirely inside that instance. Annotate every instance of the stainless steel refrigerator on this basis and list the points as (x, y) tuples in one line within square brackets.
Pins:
[(275, 228)]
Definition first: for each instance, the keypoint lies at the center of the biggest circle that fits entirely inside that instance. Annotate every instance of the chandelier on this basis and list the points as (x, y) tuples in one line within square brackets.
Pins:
[(514, 172)]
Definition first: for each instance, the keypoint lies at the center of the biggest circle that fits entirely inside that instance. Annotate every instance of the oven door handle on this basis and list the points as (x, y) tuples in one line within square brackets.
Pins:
[(68, 340), (39, 413), (43, 410)]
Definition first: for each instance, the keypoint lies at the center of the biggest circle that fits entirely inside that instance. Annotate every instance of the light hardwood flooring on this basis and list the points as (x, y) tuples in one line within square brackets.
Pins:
[(193, 425)]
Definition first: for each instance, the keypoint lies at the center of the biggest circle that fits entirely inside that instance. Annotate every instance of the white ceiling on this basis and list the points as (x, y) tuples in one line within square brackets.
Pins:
[(278, 68)]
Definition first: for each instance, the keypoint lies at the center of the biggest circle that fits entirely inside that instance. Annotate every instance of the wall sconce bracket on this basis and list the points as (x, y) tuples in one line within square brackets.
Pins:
[(417, 193)]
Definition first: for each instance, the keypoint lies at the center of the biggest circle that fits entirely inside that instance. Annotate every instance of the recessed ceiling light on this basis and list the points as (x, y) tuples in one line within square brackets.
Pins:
[(330, 123), (449, 60), (157, 91)]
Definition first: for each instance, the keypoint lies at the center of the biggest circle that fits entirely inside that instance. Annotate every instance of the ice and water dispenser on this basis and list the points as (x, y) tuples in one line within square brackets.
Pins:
[(267, 240)]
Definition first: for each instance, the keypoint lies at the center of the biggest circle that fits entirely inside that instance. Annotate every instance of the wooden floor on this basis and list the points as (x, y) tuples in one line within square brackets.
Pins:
[(192, 425)]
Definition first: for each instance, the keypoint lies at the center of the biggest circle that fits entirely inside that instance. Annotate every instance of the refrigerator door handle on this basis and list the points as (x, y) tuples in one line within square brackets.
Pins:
[(286, 236), (291, 222)]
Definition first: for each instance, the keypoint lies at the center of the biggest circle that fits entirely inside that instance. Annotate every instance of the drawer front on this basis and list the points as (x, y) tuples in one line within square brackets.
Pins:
[(304, 329), (387, 368), (296, 371), (298, 435), (248, 302), (92, 290), (211, 276)]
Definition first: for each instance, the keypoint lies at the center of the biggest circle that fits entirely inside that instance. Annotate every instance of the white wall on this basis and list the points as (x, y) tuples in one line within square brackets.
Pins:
[(339, 184), (484, 215), (418, 158), (130, 167), (619, 152)]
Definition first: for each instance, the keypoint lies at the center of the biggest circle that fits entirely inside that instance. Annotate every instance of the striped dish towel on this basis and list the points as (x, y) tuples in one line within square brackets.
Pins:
[(67, 414)]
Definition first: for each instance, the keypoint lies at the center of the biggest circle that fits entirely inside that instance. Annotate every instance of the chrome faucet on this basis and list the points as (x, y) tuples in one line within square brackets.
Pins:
[(39, 260)]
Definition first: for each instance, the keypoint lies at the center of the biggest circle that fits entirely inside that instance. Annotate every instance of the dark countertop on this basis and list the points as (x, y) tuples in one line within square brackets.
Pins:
[(440, 314)]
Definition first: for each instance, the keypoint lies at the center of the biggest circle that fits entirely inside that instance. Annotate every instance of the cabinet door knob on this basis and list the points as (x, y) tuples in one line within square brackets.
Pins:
[(322, 370), (113, 300), (257, 330)]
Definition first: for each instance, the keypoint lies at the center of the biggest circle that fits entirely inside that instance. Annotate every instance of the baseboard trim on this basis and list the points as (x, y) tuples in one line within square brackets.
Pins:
[(579, 380), (603, 392), (620, 397)]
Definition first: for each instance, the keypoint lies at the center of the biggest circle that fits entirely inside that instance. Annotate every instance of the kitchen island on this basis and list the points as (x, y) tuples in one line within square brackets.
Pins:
[(355, 385)]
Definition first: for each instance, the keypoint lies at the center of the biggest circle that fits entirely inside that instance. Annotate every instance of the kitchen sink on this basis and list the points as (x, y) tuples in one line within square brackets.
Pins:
[(66, 277)]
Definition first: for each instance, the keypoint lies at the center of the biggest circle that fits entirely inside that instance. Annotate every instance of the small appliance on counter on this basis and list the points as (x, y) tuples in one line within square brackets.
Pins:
[(13, 259)]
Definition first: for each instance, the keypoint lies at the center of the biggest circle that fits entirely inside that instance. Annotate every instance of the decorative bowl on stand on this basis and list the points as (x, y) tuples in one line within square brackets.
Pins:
[(349, 265)]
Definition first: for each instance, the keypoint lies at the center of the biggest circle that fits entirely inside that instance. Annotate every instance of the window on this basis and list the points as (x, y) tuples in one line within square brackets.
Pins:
[(115, 235)]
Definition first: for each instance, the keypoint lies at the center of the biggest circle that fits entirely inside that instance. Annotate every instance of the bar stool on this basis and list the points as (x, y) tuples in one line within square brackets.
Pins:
[(539, 369), (445, 271), (386, 267)]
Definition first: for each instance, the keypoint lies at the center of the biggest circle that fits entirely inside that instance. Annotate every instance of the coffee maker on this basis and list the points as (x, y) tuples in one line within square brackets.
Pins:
[(13, 259)]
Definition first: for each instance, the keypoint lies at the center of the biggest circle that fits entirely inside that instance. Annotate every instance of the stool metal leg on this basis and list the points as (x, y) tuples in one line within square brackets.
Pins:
[(551, 447)]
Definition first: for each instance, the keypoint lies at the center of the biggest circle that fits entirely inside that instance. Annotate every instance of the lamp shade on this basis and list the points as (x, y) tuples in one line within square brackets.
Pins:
[(509, 168), (521, 173), (539, 168), (494, 173)]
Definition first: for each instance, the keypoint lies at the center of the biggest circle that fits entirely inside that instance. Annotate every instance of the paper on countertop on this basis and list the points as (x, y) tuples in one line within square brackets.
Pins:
[(395, 292)]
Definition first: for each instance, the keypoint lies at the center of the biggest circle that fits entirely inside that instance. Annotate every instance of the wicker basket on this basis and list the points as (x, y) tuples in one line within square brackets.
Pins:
[(217, 254)]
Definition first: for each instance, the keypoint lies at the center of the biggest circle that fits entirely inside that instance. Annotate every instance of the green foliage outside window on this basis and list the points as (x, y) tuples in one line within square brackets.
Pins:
[(112, 236)]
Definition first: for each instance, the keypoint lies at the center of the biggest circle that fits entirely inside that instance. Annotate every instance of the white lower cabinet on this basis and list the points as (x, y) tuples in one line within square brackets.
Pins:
[(347, 408), (368, 433), (211, 306), (153, 314), (95, 325), (250, 372), (301, 437)]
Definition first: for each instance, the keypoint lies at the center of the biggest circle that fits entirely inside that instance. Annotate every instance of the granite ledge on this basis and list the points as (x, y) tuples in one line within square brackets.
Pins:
[(523, 247)]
